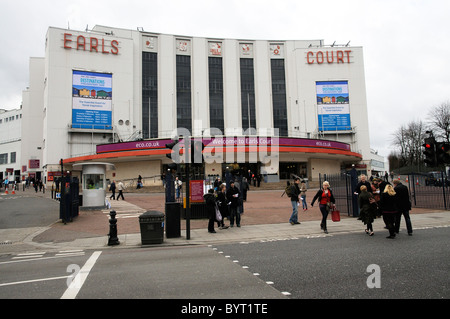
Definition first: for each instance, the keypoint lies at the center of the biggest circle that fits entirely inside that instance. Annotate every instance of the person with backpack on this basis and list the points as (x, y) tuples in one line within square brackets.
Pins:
[(293, 191)]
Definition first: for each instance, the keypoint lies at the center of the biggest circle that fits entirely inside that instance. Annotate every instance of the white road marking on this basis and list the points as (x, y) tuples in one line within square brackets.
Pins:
[(33, 280), (78, 281)]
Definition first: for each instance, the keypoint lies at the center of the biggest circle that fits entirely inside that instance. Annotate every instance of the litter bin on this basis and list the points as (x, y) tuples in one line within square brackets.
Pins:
[(152, 227)]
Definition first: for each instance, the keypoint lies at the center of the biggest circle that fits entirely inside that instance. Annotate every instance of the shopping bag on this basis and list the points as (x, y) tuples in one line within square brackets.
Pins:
[(335, 215), (218, 214)]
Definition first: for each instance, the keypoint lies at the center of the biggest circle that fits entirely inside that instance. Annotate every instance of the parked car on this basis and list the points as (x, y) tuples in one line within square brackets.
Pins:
[(435, 179)]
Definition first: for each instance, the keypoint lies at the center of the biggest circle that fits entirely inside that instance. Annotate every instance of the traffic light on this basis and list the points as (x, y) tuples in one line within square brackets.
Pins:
[(174, 155), (442, 153), (430, 151), (197, 152)]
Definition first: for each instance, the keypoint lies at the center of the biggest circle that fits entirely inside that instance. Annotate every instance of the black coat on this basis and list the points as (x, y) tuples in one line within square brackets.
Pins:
[(210, 200), (367, 210), (222, 202), (402, 194), (234, 200), (361, 183), (388, 203), (319, 196), (295, 192)]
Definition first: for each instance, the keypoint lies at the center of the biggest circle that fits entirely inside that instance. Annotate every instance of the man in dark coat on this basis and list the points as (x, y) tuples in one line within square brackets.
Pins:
[(362, 182), (210, 201), (233, 196), (112, 188), (403, 205)]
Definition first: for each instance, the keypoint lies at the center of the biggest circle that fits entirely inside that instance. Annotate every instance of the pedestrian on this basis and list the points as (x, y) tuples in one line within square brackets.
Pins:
[(112, 188), (403, 205), (233, 198), (121, 188), (293, 191), (245, 187), (367, 209), (376, 193), (223, 207), (178, 185), (362, 182), (303, 195), (238, 184), (217, 184), (163, 178), (326, 202), (388, 206), (210, 201), (139, 182)]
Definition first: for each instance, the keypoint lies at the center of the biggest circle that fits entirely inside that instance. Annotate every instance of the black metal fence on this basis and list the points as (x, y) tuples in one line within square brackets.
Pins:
[(342, 186), (430, 191)]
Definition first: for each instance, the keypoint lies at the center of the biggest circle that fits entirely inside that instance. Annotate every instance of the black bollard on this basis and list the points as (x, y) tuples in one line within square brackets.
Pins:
[(113, 239)]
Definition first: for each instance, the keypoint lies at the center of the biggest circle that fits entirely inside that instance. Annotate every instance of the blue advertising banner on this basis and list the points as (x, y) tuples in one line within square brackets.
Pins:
[(333, 106), (91, 100)]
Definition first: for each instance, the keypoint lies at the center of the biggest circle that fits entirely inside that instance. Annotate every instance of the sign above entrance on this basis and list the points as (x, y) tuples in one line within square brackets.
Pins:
[(329, 57), (226, 141), (90, 44)]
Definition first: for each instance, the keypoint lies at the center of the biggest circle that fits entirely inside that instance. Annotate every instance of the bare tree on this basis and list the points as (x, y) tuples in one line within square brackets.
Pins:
[(408, 141), (439, 121)]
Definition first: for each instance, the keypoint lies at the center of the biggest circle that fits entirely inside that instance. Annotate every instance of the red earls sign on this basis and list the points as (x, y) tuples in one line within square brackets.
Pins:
[(91, 44), (320, 57)]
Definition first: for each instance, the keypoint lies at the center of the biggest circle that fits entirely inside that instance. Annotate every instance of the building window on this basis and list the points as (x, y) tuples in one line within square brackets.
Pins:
[(149, 95), (93, 181), (279, 96), (248, 94), (184, 104), (4, 158), (13, 157), (216, 118)]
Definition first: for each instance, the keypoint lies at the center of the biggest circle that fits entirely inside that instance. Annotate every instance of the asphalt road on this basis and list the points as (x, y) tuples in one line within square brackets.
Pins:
[(193, 272), (25, 210), (330, 267), (341, 266)]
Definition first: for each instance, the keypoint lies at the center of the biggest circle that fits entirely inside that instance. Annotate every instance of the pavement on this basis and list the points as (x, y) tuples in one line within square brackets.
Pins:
[(265, 218)]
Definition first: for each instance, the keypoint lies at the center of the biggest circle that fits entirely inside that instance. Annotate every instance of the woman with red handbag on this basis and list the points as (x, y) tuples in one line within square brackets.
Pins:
[(326, 202)]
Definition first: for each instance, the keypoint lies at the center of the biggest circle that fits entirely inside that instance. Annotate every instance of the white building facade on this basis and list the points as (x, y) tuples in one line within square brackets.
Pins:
[(109, 85), (10, 142)]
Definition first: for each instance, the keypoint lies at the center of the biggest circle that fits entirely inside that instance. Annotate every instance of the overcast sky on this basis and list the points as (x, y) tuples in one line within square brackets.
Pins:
[(406, 43)]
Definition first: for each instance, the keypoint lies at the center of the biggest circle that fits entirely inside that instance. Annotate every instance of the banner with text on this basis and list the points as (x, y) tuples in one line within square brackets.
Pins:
[(333, 106), (91, 100)]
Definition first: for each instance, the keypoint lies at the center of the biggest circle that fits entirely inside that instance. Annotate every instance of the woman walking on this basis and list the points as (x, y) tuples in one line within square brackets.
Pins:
[(367, 209), (388, 207), (326, 201)]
